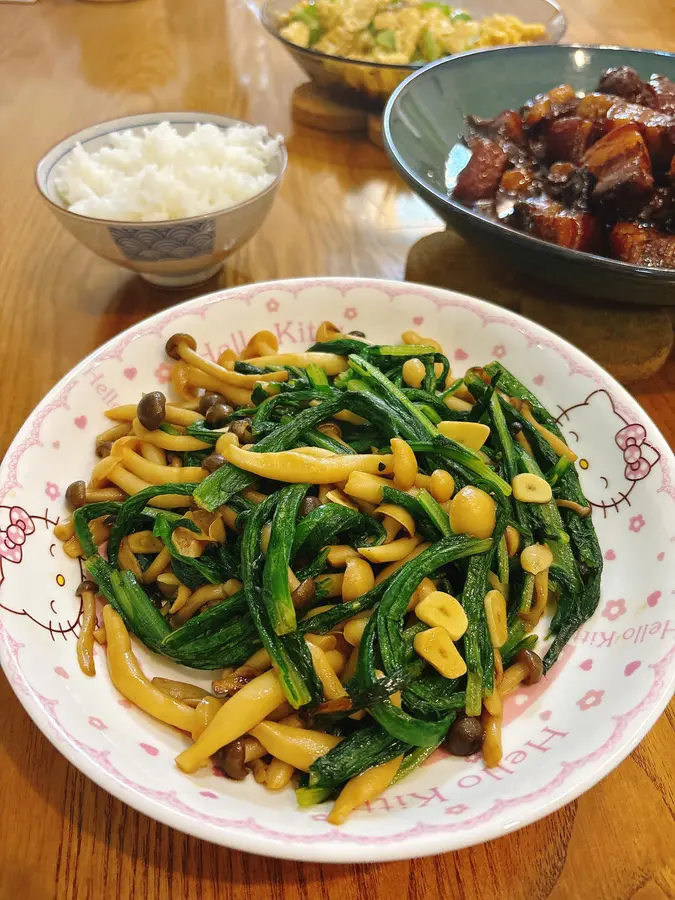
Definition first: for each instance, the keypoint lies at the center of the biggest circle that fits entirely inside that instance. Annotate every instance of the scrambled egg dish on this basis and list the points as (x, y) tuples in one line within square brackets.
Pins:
[(385, 32)]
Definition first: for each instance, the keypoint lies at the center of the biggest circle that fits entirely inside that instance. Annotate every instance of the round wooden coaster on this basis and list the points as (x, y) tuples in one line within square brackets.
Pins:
[(445, 260), (315, 110), (632, 343)]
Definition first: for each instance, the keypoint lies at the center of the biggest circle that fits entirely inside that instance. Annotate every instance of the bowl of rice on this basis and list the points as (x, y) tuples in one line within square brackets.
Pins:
[(167, 195)]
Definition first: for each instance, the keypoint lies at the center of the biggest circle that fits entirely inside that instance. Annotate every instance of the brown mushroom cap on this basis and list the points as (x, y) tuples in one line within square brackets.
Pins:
[(465, 736), (151, 410), (242, 429), (103, 449), (76, 494), (175, 340), (534, 663), (207, 400), (232, 760), (86, 586), (235, 681), (304, 593), (213, 461), (217, 414)]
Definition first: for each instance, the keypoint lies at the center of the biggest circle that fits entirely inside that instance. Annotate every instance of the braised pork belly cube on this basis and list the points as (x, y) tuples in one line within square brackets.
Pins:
[(518, 181), (567, 139), (560, 101), (642, 246), (480, 178), (626, 83), (549, 220), (595, 107), (657, 128), (516, 184), (622, 169), (664, 92), (607, 113), (507, 126), (505, 130)]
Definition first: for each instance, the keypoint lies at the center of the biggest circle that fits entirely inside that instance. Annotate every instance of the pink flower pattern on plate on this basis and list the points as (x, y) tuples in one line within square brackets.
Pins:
[(590, 699), (499, 351), (149, 749), (350, 313), (613, 609), (163, 373), (97, 723), (52, 491), (272, 305), (456, 810), (636, 523)]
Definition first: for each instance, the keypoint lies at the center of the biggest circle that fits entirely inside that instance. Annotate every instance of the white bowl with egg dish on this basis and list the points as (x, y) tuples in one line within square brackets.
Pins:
[(166, 195)]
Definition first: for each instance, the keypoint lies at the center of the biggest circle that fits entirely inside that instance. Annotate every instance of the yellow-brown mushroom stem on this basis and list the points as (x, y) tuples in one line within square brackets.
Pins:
[(126, 675)]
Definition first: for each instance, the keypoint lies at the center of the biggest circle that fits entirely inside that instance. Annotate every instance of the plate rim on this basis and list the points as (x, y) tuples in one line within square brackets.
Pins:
[(393, 847)]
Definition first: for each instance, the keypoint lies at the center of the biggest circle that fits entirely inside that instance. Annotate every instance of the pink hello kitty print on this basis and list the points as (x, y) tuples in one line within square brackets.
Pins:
[(24, 537), (628, 456)]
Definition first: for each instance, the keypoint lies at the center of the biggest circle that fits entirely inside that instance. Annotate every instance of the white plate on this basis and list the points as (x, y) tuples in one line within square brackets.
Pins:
[(562, 736)]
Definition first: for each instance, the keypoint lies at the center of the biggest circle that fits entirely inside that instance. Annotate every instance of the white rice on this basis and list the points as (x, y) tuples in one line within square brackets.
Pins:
[(160, 174)]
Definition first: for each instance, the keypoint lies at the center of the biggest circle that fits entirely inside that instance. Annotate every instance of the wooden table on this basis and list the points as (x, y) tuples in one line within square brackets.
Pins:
[(63, 65)]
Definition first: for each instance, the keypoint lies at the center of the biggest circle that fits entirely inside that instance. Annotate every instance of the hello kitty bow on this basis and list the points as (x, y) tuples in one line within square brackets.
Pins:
[(636, 452), (13, 537)]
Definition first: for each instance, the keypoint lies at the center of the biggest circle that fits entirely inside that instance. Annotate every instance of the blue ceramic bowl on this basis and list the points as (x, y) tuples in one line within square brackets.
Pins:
[(425, 117)]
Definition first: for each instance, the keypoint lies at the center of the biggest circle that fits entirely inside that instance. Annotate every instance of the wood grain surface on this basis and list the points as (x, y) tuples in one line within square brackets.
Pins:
[(66, 64)]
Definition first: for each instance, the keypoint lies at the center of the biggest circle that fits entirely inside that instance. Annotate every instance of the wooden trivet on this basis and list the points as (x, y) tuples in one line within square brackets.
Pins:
[(314, 109), (632, 343)]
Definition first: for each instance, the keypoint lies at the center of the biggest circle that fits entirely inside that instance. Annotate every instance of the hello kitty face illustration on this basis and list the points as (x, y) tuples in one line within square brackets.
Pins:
[(28, 541), (626, 456)]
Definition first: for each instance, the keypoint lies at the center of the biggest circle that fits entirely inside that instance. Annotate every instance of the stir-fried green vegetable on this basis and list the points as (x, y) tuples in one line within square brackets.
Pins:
[(339, 530)]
